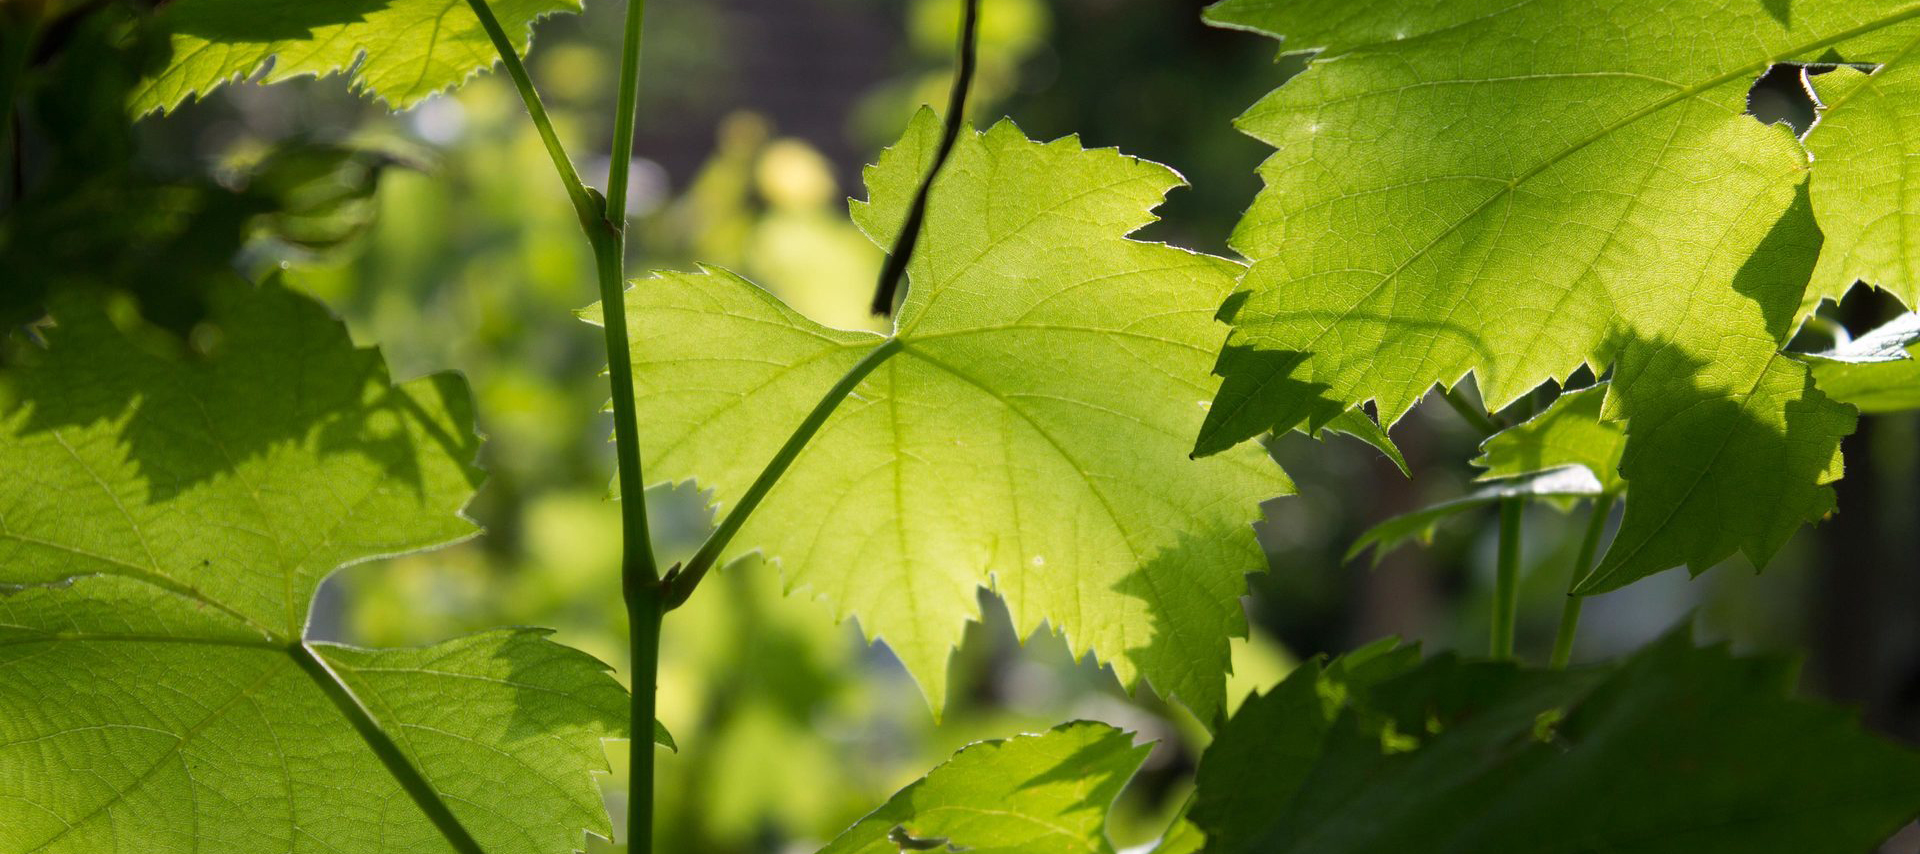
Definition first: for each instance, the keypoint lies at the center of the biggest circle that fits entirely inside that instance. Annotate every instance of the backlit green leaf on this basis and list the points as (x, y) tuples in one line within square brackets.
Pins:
[(1030, 794), (1031, 433), (399, 51), (165, 519), (1866, 189), (1517, 190)]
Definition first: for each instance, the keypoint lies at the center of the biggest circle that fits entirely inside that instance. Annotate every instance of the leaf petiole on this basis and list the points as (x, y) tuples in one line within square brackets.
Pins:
[(1582, 564), (1506, 581)]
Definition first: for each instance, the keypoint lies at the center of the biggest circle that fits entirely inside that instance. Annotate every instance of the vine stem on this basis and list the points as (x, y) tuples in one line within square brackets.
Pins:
[(1582, 564), (1506, 580), (639, 575), (604, 220), (584, 205)]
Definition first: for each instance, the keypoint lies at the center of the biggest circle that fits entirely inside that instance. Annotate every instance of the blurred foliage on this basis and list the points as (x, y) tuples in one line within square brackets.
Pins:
[(441, 235)]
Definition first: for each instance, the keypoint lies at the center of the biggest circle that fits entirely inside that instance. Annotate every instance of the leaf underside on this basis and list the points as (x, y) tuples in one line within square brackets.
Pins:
[(164, 523), (1517, 190), (1029, 436), (399, 51)]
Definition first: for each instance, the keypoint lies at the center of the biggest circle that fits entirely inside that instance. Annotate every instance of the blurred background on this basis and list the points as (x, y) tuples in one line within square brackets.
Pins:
[(442, 236)]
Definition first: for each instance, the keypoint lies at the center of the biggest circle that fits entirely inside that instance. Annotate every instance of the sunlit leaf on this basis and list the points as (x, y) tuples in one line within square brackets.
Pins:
[(1031, 433), (1571, 432), (1030, 794), (1865, 189), (1562, 482), (1518, 190)]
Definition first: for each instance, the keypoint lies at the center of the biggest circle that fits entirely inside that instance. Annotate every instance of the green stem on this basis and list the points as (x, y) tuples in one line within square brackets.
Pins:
[(604, 225), (680, 584), (645, 608), (626, 115), (1506, 579), (639, 575), (1474, 416), (1582, 564), (584, 206)]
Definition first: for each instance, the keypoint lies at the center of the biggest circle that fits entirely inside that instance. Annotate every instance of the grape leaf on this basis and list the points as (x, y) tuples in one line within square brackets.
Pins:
[(1678, 749), (1879, 372), (399, 51), (1518, 190), (164, 523), (1030, 794), (1864, 178), (1029, 435)]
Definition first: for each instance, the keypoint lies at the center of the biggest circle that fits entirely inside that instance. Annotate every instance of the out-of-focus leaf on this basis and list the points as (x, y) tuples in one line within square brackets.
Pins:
[(1678, 749), (399, 51)]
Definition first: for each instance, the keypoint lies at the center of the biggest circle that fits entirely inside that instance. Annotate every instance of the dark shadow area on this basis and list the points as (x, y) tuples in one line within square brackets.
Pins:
[(272, 367), (1709, 469), (1108, 751), (1781, 10), (1259, 394)]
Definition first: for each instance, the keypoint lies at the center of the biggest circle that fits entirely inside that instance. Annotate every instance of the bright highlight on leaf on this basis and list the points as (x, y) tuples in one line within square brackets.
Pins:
[(1030, 794), (399, 51), (1677, 749), (1518, 190), (1021, 437), (1571, 432), (1878, 372), (165, 519), (1570, 482), (1561, 455)]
